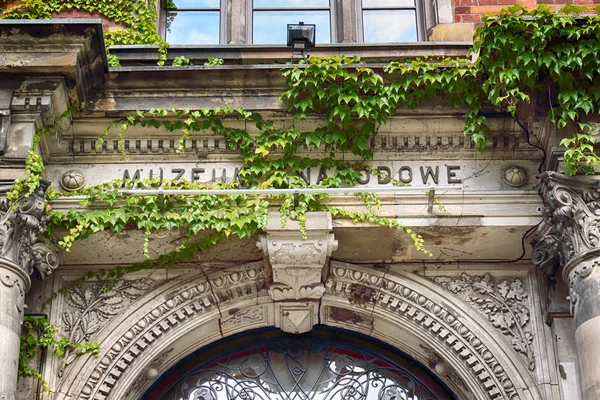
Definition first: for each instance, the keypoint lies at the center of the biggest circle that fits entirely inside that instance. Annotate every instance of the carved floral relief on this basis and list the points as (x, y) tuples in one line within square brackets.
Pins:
[(504, 302), (90, 306)]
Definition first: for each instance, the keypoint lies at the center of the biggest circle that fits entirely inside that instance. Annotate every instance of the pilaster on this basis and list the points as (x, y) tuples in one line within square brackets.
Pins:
[(21, 225), (26, 107), (569, 238)]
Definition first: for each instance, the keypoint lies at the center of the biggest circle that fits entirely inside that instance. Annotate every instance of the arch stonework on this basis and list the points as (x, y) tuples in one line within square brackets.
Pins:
[(403, 309)]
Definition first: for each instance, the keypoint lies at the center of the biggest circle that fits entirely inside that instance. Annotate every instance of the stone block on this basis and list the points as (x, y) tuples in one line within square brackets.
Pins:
[(457, 32)]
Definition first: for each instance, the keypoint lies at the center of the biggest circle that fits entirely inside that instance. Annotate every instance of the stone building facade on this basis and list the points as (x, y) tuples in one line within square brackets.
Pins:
[(488, 316)]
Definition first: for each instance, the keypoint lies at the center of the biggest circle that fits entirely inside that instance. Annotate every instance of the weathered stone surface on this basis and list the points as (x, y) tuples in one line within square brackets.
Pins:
[(452, 32)]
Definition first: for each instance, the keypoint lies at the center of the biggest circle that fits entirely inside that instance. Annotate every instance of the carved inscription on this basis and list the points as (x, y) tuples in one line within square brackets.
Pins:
[(381, 175)]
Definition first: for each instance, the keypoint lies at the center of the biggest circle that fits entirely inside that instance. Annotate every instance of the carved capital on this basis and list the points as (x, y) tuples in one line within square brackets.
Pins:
[(297, 264), (571, 225), (21, 225)]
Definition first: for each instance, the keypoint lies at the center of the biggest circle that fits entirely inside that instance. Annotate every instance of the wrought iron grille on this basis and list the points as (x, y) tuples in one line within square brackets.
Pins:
[(302, 369)]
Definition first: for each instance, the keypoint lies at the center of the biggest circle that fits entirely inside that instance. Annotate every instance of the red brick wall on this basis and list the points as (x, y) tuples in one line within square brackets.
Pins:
[(69, 14), (473, 10)]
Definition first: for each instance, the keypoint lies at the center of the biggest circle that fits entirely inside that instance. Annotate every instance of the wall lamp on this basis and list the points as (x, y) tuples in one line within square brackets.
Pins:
[(300, 36)]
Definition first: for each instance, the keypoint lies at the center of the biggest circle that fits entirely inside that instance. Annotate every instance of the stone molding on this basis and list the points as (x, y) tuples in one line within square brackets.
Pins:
[(21, 225), (411, 301), (188, 302), (134, 342), (571, 225), (210, 145)]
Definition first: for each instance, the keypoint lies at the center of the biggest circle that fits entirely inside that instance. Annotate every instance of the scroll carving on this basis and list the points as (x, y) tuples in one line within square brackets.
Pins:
[(21, 225), (503, 303), (571, 225)]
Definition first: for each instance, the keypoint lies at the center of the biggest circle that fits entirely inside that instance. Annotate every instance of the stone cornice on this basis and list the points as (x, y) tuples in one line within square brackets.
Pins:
[(72, 48), (571, 226), (252, 53)]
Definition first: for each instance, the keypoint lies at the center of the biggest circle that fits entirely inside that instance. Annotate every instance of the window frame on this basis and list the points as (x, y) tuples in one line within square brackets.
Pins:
[(333, 35), (222, 9), (419, 15)]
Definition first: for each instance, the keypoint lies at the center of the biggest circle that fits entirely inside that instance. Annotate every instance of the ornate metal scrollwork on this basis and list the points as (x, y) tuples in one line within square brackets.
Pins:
[(21, 225), (571, 225), (302, 369)]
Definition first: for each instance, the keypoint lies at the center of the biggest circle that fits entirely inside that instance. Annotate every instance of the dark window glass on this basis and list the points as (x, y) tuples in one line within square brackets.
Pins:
[(270, 366), (271, 17)]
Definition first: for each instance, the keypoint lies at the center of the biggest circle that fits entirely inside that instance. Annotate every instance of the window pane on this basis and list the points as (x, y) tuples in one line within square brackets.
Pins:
[(270, 27), (388, 3), (382, 26), (197, 3), (193, 27), (291, 3)]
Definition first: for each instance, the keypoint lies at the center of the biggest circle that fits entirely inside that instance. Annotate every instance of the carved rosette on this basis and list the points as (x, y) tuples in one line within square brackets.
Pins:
[(571, 226), (296, 263), (21, 225)]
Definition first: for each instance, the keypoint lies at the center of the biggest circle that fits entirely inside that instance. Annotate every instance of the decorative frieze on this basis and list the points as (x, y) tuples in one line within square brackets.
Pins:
[(210, 144), (504, 302)]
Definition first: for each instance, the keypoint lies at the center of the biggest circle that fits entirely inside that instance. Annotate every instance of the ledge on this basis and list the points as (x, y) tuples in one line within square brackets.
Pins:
[(256, 54), (72, 48)]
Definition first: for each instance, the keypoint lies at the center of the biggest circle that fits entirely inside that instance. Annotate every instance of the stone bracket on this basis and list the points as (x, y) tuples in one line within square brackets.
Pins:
[(296, 266)]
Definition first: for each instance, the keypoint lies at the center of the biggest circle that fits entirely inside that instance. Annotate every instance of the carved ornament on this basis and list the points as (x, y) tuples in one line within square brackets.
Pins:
[(296, 263), (571, 225), (504, 303), (21, 225), (438, 319), (190, 302), (90, 306)]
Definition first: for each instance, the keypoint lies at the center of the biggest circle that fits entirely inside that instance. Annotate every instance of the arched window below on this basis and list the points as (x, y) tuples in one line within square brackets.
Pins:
[(323, 365)]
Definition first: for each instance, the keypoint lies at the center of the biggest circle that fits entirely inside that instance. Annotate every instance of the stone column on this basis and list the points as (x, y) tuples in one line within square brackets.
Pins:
[(21, 224), (569, 238)]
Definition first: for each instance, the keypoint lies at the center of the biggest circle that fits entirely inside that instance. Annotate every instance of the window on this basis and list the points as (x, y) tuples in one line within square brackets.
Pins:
[(324, 365), (270, 19), (384, 21), (194, 21)]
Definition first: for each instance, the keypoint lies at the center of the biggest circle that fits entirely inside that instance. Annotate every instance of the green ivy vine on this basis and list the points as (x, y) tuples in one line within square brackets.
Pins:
[(38, 334), (517, 55)]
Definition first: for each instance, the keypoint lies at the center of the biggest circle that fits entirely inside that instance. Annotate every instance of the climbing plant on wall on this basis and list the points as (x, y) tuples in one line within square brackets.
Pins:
[(518, 54)]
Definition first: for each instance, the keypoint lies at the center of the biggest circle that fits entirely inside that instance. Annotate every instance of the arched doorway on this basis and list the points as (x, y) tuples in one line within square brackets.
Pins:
[(326, 364)]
